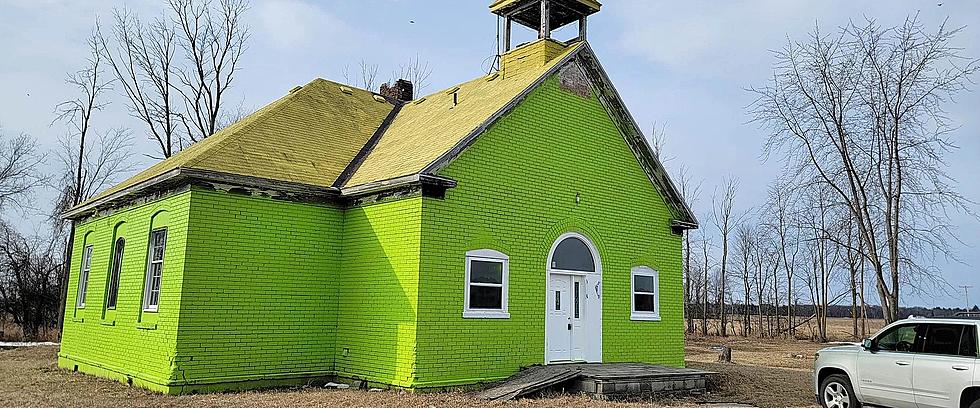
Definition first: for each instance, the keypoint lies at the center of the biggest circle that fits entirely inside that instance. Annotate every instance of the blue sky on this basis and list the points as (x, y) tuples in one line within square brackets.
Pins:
[(684, 64)]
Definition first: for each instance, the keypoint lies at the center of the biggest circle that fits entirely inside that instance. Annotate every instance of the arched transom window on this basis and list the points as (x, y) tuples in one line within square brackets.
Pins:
[(573, 254)]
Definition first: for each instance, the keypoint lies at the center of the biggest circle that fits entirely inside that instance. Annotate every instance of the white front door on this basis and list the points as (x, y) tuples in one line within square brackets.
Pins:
[(559, 325), (567, 332)]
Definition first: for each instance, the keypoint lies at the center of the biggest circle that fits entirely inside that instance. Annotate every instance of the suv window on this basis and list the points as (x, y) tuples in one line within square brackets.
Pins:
[(943, 339), (899, 338), (968, 342)]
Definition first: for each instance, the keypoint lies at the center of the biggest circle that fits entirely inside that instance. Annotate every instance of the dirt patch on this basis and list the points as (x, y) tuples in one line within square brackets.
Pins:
[(765, 373), (763, 387), (29, 377)]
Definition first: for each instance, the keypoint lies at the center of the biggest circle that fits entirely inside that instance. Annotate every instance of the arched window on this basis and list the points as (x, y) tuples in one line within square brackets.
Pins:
[(573, 254), (84, 272), (113, 288), (154, 269)]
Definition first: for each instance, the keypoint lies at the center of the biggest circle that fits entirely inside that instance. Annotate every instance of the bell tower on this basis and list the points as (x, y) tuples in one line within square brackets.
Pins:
[(544, 16)]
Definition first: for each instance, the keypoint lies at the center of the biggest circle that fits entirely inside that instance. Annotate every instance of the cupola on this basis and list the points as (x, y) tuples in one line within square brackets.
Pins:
[(544, 16)]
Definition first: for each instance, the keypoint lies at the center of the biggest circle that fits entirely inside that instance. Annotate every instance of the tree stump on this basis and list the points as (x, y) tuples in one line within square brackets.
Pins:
[(725, 355)]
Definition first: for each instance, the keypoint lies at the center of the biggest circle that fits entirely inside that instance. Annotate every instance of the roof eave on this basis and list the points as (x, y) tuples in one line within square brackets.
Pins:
[(181, 175), (397, 182)]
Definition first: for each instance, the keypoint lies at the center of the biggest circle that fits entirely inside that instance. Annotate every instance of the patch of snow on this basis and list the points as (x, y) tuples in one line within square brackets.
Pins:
[(16, 344)]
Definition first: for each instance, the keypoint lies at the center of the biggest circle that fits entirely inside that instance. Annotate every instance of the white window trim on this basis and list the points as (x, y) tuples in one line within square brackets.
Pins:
[(148, 277), (487, 255), (116, 258), (86, 273), (646, 316)]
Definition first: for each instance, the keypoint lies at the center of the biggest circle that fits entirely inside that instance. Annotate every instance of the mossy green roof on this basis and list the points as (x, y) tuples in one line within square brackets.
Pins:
[(307, 137), (429, 127)]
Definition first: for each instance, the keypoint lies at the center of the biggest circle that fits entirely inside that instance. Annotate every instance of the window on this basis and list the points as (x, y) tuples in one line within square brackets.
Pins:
[(83, 276), (645, 297), (154, 270), (899, 338), (950, 340), (573, 254), (486, 285), (113, 287), (575, 297), (968, 341)]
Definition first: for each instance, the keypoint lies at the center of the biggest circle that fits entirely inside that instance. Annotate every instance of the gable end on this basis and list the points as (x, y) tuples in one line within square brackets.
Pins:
[(586, 61)]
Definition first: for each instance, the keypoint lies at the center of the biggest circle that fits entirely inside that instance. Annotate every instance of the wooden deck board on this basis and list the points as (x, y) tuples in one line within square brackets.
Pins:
[(599, 379), (529, 381)]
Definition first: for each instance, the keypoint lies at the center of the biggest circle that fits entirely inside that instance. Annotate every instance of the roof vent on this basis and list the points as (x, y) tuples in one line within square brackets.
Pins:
[(402, 90), (346, 90)]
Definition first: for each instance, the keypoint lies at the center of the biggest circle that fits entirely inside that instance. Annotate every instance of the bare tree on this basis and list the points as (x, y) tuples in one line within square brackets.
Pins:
[(181, 101), (765, 256), (690, 192), (366, 78), (864, 112), (745, 247), (781, 207), (705, 279), (86, 172), (29, 285), (76, 113), (213, 38), (142, 57), (19, 168), (416, 71), (658, 142), (725, 218), (821, 222)]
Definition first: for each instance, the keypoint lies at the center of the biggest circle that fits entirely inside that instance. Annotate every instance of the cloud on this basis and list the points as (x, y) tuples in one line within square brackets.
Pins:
[(724, 39), (733, 39), (297, 25)]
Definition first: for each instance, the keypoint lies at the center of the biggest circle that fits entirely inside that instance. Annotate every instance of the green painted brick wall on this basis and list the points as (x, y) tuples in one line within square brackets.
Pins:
[(379, 282), (265, 291), (516, 194), (278, 290), (259, 289), (127, 341)]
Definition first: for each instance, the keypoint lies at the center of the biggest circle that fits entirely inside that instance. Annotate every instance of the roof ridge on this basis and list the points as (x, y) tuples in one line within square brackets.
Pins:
[(356, 162)]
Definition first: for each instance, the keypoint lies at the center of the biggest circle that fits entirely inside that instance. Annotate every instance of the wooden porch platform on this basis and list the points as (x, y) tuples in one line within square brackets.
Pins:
[(601, 380)]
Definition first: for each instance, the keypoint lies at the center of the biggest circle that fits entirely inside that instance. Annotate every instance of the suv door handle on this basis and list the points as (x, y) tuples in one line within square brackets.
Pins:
[(902, 363), (960, 367)]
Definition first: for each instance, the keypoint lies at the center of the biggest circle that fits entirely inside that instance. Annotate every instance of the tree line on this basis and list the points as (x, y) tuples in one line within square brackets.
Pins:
[(861, 210)]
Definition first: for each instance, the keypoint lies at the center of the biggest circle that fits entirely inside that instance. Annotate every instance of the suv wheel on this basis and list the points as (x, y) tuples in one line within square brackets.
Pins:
[(836, 392)]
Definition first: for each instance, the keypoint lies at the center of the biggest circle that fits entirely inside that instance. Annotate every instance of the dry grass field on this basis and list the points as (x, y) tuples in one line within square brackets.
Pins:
[(764, 373)]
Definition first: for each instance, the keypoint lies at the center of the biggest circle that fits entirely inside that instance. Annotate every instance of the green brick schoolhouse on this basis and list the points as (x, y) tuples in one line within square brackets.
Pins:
[(517, 219)]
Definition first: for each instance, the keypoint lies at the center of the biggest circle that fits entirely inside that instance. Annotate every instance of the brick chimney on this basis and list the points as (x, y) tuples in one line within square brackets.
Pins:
[(402, 90)]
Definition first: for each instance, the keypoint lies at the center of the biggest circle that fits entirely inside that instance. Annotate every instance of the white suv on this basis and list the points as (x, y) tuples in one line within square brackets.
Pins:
[(915, 363)]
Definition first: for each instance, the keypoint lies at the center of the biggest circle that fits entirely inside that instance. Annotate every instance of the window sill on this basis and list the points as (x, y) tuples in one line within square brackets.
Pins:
[(146, 326), (108, 322), (78, 320), (647, 317), (472, 314)]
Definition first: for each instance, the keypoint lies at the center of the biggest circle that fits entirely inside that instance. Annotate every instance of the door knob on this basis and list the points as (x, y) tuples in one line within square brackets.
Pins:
[(902, 363), (569, 326)]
